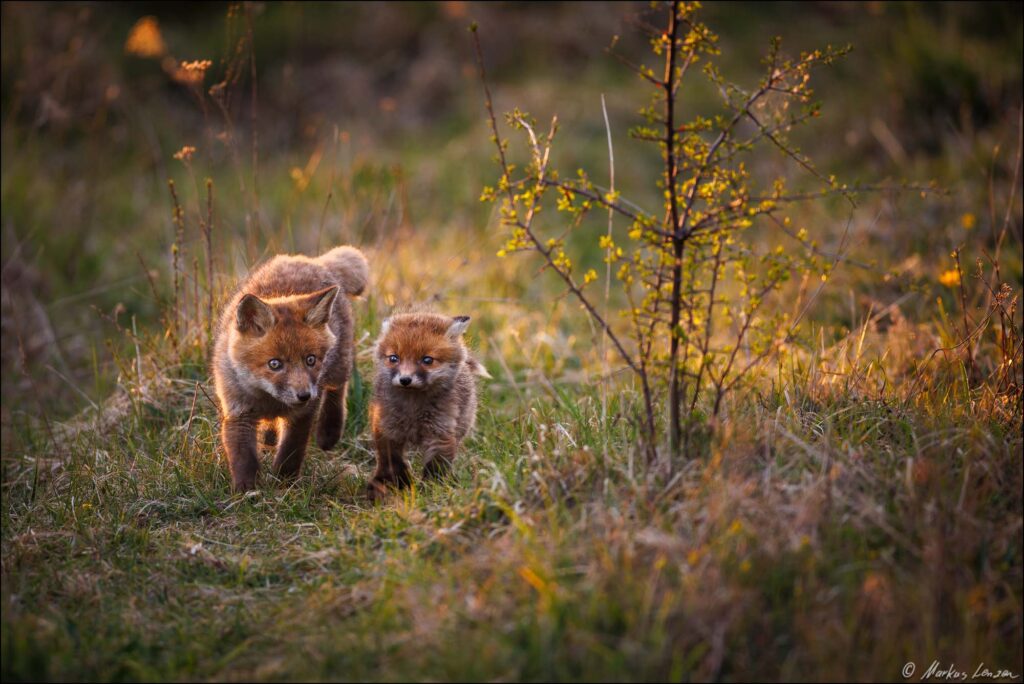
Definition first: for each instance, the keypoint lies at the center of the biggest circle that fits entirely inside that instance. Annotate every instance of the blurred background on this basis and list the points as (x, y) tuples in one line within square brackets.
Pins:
[(369, 127)]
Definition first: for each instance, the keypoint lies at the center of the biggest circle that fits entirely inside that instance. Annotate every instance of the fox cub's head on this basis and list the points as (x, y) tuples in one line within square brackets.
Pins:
[(421, 350), (279, 344)]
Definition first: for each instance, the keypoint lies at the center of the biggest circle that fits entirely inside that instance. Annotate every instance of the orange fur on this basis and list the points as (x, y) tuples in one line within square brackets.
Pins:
[(283, 352), (424, 395)]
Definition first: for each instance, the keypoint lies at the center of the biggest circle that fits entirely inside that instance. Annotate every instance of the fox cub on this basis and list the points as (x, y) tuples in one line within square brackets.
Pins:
[(424, 395), (283, 352)]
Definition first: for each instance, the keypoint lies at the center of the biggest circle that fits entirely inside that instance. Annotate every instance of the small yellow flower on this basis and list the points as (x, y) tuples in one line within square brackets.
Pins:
[(745, 566), (299, 178), (185, 153), (189, 73), (200, 65), (968, 221), (950, 278), (589, 277)]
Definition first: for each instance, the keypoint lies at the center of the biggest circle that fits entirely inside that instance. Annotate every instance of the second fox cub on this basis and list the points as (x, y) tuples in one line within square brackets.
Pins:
[(424, 395), (284, 350)]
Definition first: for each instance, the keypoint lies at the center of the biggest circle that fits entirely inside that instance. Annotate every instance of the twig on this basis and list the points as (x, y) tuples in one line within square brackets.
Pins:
[(179, 237), (254, 120), (208, 234), (188, 427), (607, 275)]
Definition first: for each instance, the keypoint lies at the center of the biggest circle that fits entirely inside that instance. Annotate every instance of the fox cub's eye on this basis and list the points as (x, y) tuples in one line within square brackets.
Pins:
[(311, 360), (275, 364), (427, 360), (393, 358)]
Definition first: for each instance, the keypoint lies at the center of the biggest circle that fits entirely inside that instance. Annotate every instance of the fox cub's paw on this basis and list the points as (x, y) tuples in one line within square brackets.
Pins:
[(328, 432), (439, 470), (382, 485), (377, 490), (242, 485)]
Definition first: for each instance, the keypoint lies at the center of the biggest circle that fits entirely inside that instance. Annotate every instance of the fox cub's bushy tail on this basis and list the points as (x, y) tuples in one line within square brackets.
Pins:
[(349, 266)]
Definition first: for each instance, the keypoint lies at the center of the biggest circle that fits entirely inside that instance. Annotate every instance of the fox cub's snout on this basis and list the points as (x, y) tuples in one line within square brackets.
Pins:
[(424, 395), (283, 357)]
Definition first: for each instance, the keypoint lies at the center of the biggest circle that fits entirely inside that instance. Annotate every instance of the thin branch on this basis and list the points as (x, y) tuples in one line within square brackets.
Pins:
[(594, 197)]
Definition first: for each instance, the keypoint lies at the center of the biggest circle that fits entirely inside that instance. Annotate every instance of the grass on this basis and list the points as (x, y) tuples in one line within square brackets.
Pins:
[(858, 507), (843, 528)]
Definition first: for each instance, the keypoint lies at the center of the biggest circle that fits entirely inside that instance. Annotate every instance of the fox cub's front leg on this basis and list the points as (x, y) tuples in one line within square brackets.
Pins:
[(239, 437), (438, 455), (331, 422), (392, 470), (292, 447)]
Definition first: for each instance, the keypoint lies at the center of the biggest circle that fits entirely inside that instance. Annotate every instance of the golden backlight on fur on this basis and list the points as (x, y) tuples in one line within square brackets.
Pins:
[(283, 357), (424, 395)]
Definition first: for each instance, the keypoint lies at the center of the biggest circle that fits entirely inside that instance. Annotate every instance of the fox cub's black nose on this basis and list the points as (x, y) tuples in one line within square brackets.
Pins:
[(303, 396), (405, 380)]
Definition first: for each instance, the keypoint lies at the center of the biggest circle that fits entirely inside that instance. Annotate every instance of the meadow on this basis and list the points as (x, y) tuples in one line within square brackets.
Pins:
[(852, 509)]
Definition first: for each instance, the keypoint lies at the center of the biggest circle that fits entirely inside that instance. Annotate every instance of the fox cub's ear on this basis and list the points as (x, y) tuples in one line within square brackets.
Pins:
[(384, 326), (253, 316), (458, 326), (319, 306)]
